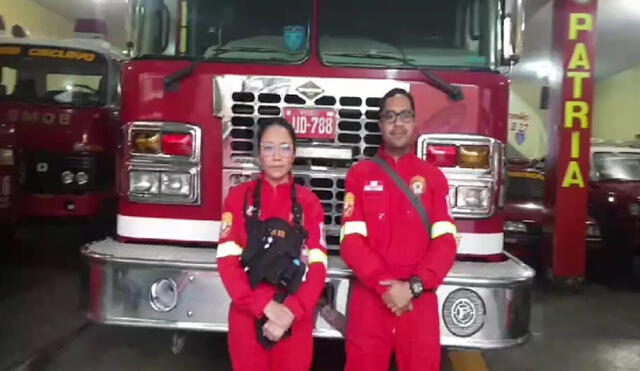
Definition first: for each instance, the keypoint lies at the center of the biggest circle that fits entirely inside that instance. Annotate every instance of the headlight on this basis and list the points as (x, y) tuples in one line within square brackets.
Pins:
[(518, 227), (175, 184), (634, 209), (82, 178), (452, 197), (67, 177), (475, 198), (6, 157), (144, 182)]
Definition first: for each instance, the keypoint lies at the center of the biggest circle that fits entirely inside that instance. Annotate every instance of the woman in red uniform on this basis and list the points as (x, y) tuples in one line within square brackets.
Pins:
[(285, 323)]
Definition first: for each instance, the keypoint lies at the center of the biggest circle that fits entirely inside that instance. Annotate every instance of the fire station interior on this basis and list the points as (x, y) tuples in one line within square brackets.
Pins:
[(103, 161)]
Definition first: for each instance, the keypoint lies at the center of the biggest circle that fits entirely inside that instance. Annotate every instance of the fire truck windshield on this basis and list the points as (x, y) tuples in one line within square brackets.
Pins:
[(53, 76), (444, 33), (276, 31)]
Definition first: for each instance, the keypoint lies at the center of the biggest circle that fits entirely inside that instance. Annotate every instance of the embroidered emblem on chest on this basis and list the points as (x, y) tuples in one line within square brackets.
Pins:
[(418, 185), (374, 186)]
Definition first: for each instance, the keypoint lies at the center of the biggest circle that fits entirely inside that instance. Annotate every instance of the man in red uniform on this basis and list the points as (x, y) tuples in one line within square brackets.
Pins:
[(397, 262)]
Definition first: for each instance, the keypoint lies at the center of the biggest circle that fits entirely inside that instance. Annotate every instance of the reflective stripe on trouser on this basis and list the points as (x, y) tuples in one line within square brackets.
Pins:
[(353, 228), (441, 228), (228, 248)]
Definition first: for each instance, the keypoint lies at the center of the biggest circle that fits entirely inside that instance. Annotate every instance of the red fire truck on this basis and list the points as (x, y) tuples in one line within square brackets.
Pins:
[(206, 73), (61, 100)]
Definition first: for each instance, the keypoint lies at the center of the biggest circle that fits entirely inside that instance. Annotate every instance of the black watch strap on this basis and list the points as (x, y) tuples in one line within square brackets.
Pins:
[(416, 287)]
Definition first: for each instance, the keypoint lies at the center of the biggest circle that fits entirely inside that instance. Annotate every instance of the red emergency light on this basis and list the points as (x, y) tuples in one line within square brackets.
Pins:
[(177, 144), (442, 155), (156, 143)]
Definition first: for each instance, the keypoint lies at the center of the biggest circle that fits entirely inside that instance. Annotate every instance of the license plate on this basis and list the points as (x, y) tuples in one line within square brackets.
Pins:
[(312, 123)]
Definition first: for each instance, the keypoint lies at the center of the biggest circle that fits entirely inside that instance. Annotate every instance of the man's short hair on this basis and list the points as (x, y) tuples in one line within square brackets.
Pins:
[(397, 91)]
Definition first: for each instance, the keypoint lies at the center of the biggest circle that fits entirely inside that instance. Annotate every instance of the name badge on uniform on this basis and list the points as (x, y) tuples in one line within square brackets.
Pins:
[(374, 186)]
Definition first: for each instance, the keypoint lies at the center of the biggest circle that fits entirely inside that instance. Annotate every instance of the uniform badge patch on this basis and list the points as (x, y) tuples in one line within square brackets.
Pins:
[(418, 185), (349, 203), (374, 186), (225, 224)]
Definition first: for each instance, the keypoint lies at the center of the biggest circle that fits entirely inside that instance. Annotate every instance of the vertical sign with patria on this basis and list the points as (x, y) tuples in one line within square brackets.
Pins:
[(570, 135)]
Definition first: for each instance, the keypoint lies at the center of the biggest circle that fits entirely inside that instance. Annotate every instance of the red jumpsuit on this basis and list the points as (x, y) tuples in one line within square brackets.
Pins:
[(383, 238), (294, 352)]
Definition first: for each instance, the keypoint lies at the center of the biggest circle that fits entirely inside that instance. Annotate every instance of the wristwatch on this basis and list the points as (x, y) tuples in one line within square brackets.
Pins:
[(415, 285)]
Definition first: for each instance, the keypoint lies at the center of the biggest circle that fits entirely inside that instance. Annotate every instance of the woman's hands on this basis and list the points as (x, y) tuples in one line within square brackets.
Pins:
[(279, 318)]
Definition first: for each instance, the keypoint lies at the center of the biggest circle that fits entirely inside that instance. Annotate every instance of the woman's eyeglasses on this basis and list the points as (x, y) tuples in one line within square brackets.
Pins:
[(284, 150), (390, 117)]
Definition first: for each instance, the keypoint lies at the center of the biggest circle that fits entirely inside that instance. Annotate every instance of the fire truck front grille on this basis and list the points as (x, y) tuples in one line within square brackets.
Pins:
[(330, 190), (357, 126), (244, 102)]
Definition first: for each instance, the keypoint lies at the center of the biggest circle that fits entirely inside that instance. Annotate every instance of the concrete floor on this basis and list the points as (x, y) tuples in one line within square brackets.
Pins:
[(596, 330)]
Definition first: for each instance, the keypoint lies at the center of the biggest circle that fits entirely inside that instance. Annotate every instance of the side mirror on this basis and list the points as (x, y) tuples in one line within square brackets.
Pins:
[(512, 31)]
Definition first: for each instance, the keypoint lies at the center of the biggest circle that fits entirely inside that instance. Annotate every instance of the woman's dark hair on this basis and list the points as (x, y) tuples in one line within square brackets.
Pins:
[(394, 92), (277, 121)]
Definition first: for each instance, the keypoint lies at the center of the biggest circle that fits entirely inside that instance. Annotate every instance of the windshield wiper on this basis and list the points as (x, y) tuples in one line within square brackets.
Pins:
[(171, 80), (453, 92)]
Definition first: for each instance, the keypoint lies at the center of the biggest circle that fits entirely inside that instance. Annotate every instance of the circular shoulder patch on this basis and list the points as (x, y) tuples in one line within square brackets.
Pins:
[(349, 203), (225, 224)]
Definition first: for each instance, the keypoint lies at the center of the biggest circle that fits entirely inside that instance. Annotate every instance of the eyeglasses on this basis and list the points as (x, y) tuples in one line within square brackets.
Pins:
[(284, 150), (390, 117)]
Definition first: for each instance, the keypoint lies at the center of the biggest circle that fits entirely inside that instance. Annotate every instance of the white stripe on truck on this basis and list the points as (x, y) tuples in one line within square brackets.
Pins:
[(168, 229)]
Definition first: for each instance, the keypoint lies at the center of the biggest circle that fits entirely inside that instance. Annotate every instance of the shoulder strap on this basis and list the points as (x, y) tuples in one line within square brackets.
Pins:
[(413, 199), (296, 208), (255, 208)]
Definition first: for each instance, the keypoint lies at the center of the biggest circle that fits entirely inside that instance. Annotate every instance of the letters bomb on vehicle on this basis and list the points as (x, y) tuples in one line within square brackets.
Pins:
[(37, 117)]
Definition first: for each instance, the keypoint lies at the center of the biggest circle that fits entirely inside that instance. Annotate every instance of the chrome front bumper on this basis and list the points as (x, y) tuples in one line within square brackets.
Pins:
[(483, 305)]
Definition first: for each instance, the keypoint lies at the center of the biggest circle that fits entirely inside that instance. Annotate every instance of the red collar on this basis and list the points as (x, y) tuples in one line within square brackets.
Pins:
[(287, 184), (382, 153)]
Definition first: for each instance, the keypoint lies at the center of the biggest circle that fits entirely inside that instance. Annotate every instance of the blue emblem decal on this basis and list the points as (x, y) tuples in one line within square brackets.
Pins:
[(294, 37), (520, 137)]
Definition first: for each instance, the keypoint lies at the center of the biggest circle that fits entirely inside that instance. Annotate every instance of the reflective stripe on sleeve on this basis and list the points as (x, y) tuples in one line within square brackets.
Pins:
[(353, 228), (441, 228), (228, 248), (317, 256)]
